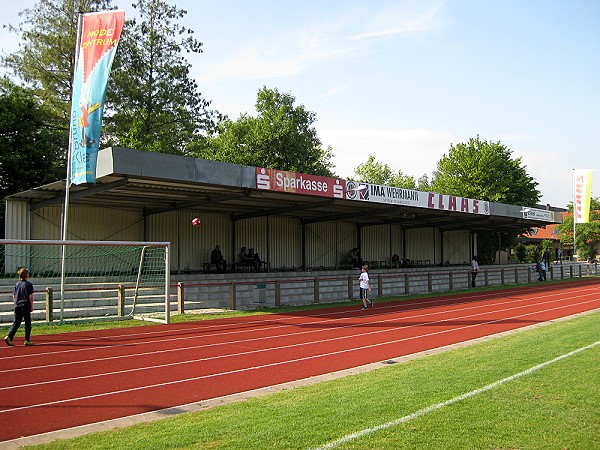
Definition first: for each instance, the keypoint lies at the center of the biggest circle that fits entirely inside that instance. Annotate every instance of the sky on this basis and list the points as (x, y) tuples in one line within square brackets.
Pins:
[(405, 80)]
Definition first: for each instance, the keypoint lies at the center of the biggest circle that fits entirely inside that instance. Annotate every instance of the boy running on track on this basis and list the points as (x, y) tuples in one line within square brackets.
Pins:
[(365, 287)]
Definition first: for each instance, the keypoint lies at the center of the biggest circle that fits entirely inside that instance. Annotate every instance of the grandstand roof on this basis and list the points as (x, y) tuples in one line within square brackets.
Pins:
[(156, 183)]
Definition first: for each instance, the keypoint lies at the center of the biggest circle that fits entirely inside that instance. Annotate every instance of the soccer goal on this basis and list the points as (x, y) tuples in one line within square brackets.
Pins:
[(99, 279)]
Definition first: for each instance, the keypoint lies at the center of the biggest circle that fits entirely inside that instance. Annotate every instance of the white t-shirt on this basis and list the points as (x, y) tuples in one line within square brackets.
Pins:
[(474, 266), (364, 280)]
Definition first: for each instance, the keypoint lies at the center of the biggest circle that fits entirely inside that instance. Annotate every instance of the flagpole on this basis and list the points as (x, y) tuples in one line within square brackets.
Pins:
[(574, 217), (68, 180)]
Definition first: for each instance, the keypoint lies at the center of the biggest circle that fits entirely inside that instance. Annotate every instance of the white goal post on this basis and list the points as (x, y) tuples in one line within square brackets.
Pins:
[(127, 279)]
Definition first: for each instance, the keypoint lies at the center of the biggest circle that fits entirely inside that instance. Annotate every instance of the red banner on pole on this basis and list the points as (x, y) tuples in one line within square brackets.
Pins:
[(100, 34)]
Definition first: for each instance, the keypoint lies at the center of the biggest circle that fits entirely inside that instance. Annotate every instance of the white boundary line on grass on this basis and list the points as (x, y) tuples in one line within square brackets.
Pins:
[(424, 411), (203, 405)]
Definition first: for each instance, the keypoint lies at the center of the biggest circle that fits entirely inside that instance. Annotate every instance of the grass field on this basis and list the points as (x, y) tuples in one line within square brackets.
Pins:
[(401, 405)]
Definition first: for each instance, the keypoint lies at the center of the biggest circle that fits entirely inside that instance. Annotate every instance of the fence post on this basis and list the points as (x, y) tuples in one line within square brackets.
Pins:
[(379, 286), (49, 304), (487, 278), (232, 304), (180, 298), (551, 269), (516, 275), (529, 274), (579, 269), (570, 271), (277, 293), (406, 287), (429, 282), (316, 290), (451, 280), (501, 277), (562, 272), (120, 300), (350, 290)]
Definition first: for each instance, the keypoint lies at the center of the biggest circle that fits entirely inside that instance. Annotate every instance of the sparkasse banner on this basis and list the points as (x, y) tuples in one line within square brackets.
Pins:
[(299, 183)]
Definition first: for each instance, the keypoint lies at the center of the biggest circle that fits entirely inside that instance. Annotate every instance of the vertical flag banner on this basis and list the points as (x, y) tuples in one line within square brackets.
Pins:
[(100, 35), (582, 194)]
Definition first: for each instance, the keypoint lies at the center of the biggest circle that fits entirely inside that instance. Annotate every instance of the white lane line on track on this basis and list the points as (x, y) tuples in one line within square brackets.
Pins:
[(17, 386), (392, 310), (245, 369), (480, 296), (237, 332), (457, 399), (114, 340)]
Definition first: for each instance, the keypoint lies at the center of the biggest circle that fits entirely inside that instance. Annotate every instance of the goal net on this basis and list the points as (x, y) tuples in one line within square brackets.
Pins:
[(92, 279)]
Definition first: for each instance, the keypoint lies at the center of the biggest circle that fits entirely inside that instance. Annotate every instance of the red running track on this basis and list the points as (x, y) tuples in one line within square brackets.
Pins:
[(80, 378)]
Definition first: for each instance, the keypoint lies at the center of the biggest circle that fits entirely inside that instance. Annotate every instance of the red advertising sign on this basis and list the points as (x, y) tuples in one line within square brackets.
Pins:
[(299, 183)]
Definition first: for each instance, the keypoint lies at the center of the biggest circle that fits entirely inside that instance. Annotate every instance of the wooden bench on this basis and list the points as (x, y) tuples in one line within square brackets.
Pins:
[(212, 267), (208, 267), (243, 266), (345, 264)]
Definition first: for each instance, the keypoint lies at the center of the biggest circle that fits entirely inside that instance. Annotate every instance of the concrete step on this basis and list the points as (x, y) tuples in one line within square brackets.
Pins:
[(88, 308)]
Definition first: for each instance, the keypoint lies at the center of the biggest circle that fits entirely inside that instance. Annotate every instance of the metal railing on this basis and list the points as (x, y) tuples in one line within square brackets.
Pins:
[(286, 289)]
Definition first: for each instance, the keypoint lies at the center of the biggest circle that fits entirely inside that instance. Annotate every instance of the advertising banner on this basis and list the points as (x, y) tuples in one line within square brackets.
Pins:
[(279, 180), (299, 183), (409, 197), (538, 214), (100, 34), (582, 180)]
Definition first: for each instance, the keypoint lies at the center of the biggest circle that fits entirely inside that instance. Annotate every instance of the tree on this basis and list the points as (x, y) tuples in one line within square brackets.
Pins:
[(378, 173), (587, 234), (520, 253), (486, 171), (46, 58), (30, 147), (154, 104), (45, 62), (547, 246), (281, 136), (423, 183), (151, 102), (532, 252)]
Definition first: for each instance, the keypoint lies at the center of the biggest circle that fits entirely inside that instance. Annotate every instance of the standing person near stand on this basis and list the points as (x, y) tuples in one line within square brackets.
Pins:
[(543, 271), (23, 298), (546, 259), (216, 258), (474, 270), (365, 287)]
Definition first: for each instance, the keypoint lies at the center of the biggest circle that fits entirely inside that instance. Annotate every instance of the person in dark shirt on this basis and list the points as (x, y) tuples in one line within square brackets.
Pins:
[(216, 258), (23, 299)]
